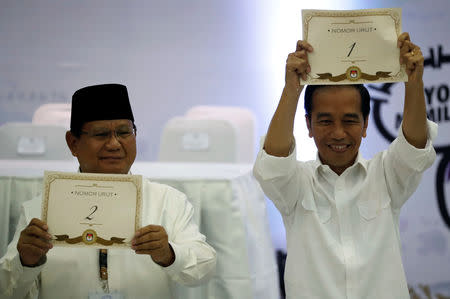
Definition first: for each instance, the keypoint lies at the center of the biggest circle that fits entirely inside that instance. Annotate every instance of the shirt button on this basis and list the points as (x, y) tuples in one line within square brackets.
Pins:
[(348, 252)]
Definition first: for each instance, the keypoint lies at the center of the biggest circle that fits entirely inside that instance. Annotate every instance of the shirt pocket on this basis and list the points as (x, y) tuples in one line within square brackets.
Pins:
[(370, 209), (318, 205)]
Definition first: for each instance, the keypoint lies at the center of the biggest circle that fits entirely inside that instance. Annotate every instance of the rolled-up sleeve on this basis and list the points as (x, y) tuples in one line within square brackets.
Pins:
[(268, 167), (404, 164), (279, 178), (418, 159)]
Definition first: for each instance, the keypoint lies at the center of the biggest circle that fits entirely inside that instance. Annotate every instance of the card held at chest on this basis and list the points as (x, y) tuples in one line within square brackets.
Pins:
[(92, 210)]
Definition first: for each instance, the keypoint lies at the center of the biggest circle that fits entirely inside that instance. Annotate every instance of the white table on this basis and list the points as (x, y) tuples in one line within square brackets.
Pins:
[(230, 210)]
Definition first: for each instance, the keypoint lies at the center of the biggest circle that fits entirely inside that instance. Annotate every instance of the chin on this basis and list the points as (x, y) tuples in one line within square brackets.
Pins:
[(116, 171)]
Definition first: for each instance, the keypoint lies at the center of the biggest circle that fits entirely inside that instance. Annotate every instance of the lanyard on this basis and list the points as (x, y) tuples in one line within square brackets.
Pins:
[(103, 268)]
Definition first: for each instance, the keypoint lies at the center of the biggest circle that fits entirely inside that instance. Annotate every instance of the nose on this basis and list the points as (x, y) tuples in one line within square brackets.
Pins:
[(113, 142), (338, 131)]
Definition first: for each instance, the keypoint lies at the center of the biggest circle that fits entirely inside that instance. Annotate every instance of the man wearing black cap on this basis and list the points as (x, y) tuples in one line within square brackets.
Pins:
[(169, 248)]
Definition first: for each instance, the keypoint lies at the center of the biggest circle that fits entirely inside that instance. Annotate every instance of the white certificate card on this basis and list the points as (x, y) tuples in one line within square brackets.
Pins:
[(95, 210), (353, 46)]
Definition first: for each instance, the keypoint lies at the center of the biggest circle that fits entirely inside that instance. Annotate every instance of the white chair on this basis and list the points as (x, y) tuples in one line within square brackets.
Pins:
[(32, 141), (53, 114), (198, 140), (241, 118)]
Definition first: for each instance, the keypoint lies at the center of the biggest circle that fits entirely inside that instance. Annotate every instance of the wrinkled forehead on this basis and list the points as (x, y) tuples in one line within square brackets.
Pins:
[(333, 89), (110, 124)]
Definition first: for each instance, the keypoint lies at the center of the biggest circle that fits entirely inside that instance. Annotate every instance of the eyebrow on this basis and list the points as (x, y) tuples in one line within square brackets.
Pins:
[(346, 115), (323, 114), (351, 115), (120, 126)]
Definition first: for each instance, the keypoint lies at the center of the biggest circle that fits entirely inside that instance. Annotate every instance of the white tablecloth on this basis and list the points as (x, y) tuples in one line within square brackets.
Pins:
[(230, 210)]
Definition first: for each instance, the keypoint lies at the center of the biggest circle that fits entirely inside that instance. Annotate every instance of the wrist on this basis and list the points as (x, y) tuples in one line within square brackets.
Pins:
[(170, 258), (41, 261), (414, 83), (293, 89)]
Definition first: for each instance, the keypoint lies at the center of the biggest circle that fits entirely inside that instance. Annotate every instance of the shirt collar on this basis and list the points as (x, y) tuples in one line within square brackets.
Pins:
[(79, 170), (359, 162)]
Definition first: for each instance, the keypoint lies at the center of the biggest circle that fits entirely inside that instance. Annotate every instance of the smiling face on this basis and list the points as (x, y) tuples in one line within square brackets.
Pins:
[(99, 154), (337, 125)]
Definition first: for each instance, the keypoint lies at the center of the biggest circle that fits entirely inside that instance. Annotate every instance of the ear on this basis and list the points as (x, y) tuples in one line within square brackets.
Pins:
[(366, 123), (72, 143), (308, 125)]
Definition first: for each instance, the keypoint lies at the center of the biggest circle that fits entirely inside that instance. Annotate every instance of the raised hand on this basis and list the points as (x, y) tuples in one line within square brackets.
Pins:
[(297, 65), (412, 57)]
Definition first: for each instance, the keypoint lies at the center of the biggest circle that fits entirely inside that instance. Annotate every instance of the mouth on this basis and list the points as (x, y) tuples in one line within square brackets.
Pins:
[(339, 148), (111, 158)]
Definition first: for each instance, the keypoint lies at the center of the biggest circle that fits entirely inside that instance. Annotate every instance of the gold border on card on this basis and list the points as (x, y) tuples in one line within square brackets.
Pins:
[(394, 13), (51, 176)]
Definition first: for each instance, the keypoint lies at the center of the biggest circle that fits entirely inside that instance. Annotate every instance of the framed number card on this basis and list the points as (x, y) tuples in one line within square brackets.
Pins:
[(353, 46), (95, 210)]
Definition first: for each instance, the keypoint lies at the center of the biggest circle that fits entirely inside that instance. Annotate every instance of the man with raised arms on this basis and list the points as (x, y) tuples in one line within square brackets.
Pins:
[(341, 211)]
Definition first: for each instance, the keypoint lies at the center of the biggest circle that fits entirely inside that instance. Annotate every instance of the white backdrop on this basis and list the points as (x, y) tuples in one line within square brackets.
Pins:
[(176, 54)]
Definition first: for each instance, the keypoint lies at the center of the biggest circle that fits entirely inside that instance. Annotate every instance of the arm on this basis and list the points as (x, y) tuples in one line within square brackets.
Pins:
[(414, 124), (176, 244), (275, 166), (412, 152), (17, 280), (280, 133)]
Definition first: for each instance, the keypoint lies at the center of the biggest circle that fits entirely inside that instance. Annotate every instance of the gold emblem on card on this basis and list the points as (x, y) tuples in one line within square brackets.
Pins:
[(89, 237), (353, 73)]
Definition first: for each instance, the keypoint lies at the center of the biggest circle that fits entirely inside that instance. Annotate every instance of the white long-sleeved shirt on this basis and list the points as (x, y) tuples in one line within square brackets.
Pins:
[(342, 231), (74, 272)]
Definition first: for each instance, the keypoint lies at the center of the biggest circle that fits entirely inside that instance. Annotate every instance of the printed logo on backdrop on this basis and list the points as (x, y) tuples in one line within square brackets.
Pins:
[(387, 112)]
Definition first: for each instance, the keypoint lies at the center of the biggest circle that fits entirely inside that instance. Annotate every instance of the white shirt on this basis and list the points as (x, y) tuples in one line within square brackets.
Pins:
[(342, 231), (74, 272)]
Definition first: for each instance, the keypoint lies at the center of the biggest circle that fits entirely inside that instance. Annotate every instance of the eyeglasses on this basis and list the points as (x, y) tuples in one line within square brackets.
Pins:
[(103, 134)]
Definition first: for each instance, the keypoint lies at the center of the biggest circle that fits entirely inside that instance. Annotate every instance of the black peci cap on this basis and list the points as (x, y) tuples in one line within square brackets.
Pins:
[(99, 102)]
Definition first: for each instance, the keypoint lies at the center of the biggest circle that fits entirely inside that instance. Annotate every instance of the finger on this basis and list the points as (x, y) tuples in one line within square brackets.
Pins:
[(35, 242), (406, 47), (407, 51), (402, 38), (148, 252), (415, 66), (304, 45), (412, 64), (37, 232), (299, 58), (147, 229), (28, 250), (304, 76), (150, 236), (39, 223), (30, 254), (300, 54), (298, 68), (413, 56), (153, 245), (297, 64)]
